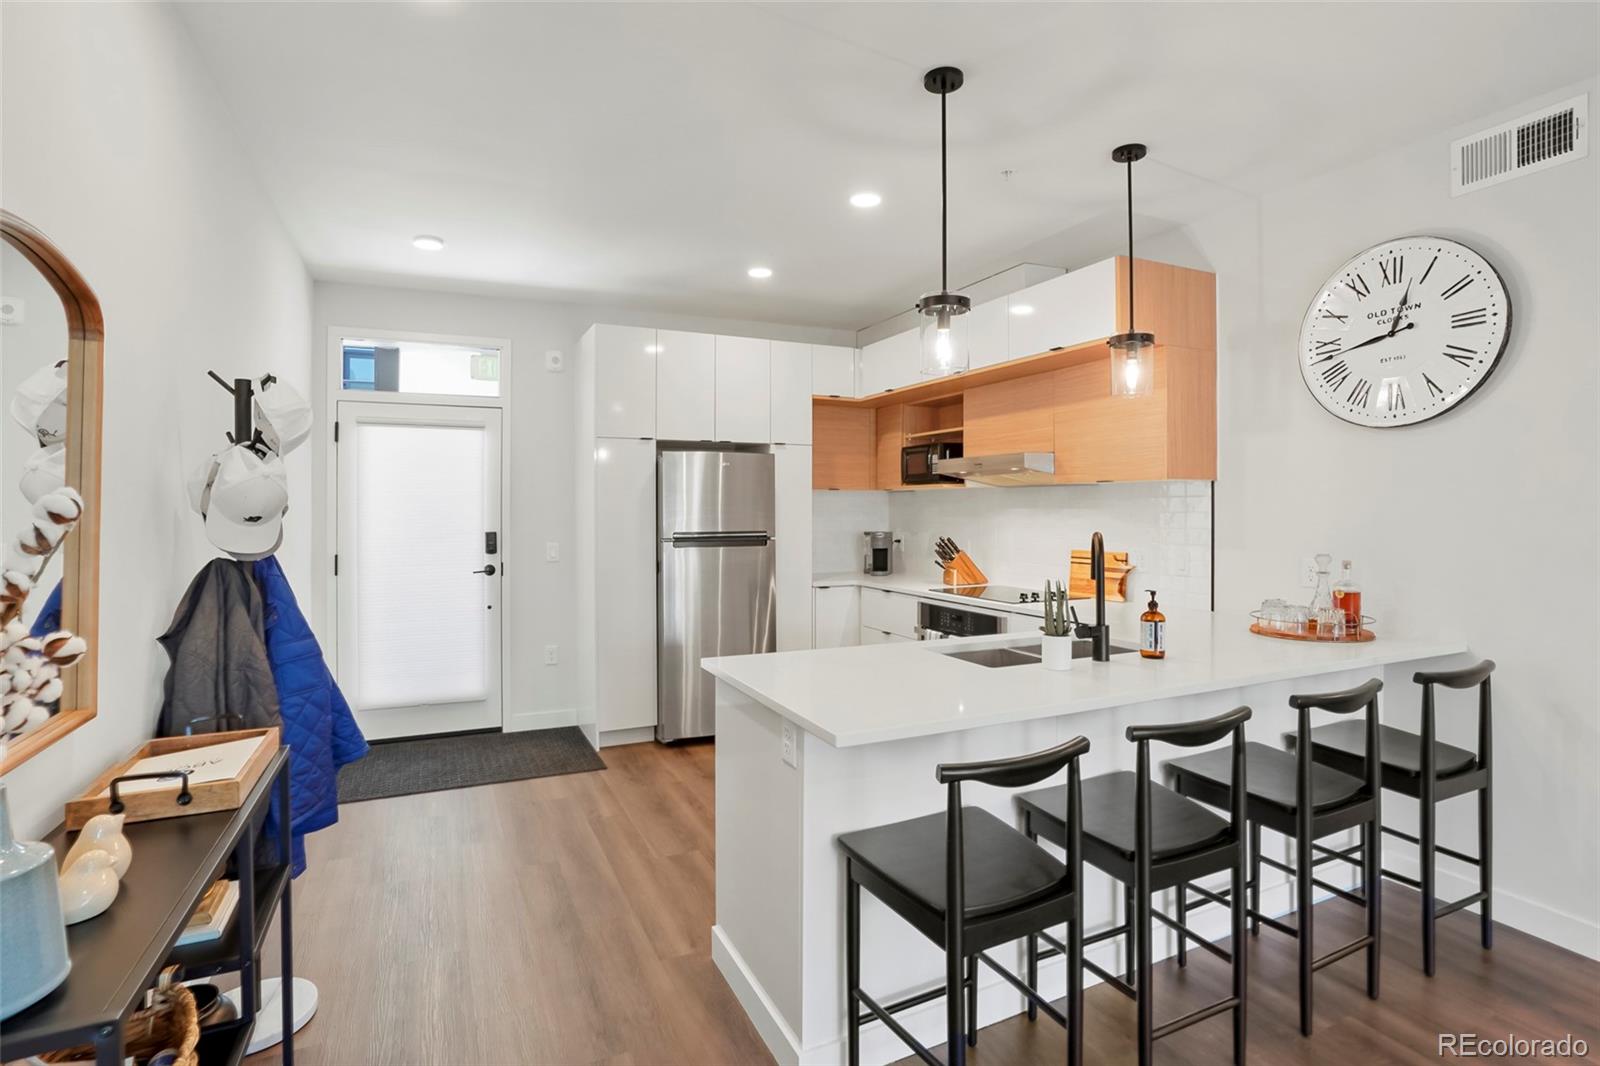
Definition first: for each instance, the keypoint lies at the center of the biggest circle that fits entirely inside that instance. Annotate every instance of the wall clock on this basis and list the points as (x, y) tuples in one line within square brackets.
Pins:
[(1404, 332)]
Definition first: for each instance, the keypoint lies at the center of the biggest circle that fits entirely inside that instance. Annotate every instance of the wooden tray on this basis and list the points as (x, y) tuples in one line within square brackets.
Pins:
[(1361, 637), (209, 796), (1080, 586)]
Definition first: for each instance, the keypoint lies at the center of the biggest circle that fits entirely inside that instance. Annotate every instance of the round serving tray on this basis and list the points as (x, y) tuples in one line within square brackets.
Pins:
[(1364, 635)]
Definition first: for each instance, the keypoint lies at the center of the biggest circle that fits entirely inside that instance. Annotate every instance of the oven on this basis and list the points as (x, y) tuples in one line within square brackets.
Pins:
[(941, 621), (916, 462)]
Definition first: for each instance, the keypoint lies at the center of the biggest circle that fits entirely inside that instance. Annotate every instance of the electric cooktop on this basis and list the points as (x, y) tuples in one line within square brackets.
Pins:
[(993, 593)]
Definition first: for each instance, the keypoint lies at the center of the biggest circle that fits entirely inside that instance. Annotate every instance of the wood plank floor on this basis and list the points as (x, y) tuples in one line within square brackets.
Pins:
[(567, 920)]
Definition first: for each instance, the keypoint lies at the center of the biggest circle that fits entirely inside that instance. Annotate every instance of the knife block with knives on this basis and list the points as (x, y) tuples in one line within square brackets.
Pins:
[(958, 567)]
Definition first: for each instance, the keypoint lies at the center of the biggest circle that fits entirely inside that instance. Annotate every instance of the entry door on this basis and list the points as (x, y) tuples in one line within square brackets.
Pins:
[(418, 588)]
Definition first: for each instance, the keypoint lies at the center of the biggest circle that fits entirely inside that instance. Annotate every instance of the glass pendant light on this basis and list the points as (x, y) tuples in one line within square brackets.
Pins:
[(942, 315), (1133, 355)]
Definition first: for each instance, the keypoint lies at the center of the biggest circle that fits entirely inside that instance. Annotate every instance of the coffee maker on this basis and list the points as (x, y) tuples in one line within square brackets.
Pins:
[(878, 559)]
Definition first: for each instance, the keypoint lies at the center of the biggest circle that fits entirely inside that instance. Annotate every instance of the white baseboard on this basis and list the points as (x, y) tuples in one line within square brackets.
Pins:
[(522, 721), (760, 1009), (610, 738), (1564, 930)]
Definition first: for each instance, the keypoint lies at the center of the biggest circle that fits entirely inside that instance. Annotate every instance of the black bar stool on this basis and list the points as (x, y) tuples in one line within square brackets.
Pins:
[(1292, 795), (967, 881), (1430, 772), (1150, 838)]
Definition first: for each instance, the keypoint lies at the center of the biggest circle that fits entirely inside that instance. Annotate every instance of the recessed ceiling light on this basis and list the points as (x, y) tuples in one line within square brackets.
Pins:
[(865, 199), (652, 349), (1022, 309), (759, 272), (427, 243)]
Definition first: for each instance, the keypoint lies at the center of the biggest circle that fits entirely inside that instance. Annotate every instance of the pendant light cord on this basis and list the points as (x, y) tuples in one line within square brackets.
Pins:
[(1130, 245), (944, 201)]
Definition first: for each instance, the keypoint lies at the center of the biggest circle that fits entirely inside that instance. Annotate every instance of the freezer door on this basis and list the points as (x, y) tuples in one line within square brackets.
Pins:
[(714, 492), (717, 598)]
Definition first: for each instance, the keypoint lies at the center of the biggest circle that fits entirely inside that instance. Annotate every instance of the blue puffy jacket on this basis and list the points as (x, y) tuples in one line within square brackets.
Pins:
[(317, 724)]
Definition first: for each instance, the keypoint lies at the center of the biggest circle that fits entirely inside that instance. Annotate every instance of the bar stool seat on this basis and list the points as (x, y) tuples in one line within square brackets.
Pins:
[(1400, 750), (1272, 774), (1177, 825), (1005, 870)]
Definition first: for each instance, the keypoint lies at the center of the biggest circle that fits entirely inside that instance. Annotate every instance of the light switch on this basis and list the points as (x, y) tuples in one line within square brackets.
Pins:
[(552, 551)]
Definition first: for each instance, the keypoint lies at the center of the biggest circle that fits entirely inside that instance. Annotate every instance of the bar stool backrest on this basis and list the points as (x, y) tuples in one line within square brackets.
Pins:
[(1186, 735), (1345, 702), (1016, 772), (1464, 678)]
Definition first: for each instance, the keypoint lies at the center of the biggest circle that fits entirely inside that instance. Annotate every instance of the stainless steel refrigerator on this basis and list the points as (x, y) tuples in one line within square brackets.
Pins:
[(716, 581)]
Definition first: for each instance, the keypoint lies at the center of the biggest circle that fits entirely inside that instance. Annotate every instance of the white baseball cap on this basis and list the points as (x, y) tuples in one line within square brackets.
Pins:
[(40, 403), (243, 497), (283, 415), (44, 471)]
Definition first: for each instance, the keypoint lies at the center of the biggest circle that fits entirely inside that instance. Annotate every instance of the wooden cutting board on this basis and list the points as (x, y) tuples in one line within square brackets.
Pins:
[(1081, 585)]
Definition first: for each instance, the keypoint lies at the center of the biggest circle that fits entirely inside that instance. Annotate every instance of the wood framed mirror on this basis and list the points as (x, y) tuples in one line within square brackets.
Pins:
[(50, 322)]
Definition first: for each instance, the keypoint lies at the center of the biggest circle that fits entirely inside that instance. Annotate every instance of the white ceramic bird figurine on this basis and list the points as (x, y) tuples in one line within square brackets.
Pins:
[(87, 886), (103, 832)]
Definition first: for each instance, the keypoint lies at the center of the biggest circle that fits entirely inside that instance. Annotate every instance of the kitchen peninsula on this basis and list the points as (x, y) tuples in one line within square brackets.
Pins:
[(811, 744)]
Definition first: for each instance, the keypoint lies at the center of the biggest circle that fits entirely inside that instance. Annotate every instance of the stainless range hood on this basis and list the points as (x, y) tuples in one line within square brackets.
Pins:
[(1014, 468)]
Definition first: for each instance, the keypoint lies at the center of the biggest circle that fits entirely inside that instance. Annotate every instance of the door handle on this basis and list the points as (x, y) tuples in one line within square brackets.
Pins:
[(486, 570)]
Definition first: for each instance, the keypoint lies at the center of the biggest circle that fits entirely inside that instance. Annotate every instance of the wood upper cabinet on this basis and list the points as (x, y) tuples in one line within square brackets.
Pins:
[(842, 453), (685, 399), (791, 393), (1054, 392), (1010, 416), (744, 390)]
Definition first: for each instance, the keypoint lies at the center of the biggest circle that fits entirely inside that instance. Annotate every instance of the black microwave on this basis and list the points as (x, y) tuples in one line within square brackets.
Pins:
[(916, 462)]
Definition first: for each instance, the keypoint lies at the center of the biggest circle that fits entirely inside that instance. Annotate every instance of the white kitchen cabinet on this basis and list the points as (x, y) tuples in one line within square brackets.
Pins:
[(686, 369), (625, 583), (891, 363), (872, 635), (624, 381), (792, 505), (791, 393), (835, 616), (744, 390), (890, 612), (1078, 306), (833, 370), (987, 333)]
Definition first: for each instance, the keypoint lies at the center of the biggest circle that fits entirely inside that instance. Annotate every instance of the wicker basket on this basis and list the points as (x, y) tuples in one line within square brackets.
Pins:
[(173, 1022)]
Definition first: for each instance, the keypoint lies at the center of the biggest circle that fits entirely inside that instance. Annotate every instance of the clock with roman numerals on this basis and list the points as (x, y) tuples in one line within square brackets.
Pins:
[(1404, 332)]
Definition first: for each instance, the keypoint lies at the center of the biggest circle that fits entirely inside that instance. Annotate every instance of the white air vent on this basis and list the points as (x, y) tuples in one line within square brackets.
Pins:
[(1544, 139)]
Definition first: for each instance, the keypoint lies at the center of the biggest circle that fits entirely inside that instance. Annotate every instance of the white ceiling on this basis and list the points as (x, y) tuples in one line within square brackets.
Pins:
[(649, 153)]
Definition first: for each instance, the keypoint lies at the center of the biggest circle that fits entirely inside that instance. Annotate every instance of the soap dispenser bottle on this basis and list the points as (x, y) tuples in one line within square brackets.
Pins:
[(1153, 631)]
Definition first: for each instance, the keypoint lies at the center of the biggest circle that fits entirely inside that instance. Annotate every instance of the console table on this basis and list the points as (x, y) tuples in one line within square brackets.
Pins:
[(117, 956)]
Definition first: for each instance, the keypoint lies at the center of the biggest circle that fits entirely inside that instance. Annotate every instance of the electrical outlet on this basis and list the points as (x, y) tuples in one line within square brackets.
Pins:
[(552, 551), (552, 654), (791, 744), (1308, 572)]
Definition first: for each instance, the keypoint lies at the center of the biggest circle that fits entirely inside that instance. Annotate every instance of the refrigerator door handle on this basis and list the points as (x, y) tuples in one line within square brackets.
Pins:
[(753, 538)]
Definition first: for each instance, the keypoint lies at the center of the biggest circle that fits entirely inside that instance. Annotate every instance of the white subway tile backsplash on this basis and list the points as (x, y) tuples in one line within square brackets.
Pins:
[(1024, 536)]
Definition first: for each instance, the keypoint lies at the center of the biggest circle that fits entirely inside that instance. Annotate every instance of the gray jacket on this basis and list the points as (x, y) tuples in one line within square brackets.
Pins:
[(220, 677)]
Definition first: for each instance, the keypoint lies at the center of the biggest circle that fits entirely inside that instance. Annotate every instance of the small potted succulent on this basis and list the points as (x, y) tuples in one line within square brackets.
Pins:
[(1056, 647)]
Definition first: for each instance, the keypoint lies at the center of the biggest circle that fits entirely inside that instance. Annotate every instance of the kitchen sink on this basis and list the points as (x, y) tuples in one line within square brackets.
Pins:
[(1026, 654)]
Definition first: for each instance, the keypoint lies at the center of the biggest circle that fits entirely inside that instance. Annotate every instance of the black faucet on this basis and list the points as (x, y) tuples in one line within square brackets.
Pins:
[(1099, 634)]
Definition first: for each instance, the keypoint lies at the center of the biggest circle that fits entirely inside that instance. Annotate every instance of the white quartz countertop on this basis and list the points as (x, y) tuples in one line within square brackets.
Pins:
[(882, 692), (924, 588)]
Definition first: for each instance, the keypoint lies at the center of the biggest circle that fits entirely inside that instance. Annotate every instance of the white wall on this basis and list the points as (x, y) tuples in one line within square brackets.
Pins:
[(539, 596), (116, 147), (1484, 520)]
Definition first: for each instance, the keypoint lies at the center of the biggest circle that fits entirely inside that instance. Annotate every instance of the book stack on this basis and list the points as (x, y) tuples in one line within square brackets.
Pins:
[(211, 918)]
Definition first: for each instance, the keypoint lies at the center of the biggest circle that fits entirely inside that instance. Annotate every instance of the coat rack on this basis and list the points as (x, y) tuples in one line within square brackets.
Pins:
[(243, 392)]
